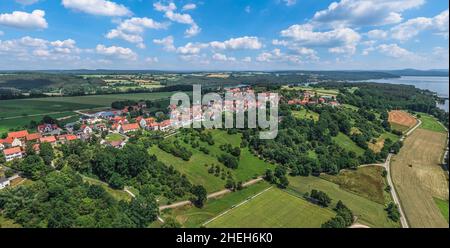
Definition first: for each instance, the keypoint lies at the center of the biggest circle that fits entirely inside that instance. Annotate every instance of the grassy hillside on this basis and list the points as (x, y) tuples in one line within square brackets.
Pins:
[(274, 208), (196, 169), (345, 142), (368, 212)]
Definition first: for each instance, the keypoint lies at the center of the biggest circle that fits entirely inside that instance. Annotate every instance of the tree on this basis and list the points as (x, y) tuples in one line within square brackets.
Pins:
[(116, 181), (33, 167), (46, 152), (200, 196), (229, 161), (171, 223), (321, 198), (393, 212), (142, 210)]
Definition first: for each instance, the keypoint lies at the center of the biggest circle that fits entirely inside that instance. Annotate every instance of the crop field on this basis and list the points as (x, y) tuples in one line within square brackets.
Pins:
[(365, 181), (191, 217), (368, 212), (401, 120), (6, 125), (418, 177), (196, 171), (306, 114), (430, 123), (345, 142), (274, 208), (23, 107)]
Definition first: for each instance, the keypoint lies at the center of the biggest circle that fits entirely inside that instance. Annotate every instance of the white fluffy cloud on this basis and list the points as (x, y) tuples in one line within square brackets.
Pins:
[(276, 55), (97, 7), (167, 43), (223, 57), (169, 13), (393, 50), (115, 51), (189, 6), (377, 34), (191, 48), (246, 42), (365, 12), (19, 19), (32, 49), (132, 29), (339, 40), (27, 2), (411, 28)]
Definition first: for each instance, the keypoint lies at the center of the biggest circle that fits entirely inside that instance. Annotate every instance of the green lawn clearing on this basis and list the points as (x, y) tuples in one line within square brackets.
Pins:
[(274, 208)]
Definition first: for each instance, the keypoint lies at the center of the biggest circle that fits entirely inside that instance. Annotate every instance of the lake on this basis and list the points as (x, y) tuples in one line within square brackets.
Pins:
[(440, 85)]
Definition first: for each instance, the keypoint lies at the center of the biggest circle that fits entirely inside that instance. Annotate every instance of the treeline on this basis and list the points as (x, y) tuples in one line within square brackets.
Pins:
[(389, 96)]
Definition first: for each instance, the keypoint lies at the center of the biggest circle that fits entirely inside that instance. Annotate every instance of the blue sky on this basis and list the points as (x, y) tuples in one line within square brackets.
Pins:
[(223, 34)]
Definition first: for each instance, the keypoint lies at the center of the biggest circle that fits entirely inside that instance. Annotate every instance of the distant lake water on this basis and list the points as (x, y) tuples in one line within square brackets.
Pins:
[(440, 85)]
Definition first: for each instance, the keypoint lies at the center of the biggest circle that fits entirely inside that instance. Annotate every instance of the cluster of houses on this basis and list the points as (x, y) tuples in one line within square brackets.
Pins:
[(13, 146), (116, 121), (308, 98)]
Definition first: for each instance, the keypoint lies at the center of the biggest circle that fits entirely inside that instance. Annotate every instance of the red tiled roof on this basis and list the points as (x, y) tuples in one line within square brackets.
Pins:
[(11, 151), (8, 140), (128, 127), (70, 137), (49, 139), (18, 134), (33, 136)]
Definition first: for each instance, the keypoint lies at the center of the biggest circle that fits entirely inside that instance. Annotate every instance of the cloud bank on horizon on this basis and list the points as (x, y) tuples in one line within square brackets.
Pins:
[(223, 34)]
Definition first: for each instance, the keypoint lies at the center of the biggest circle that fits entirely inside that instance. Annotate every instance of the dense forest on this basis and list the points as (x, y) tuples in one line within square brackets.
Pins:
[(389, 96)]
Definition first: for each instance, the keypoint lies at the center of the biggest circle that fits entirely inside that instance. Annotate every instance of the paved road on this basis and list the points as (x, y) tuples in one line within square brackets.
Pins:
[(210, 196)]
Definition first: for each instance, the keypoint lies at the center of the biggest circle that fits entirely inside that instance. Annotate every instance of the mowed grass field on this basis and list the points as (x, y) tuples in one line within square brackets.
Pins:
[(306, 114), (418, 177), (366, 181), (345, 142), (431, 123), (368, 212), (274, 208), (195, 170), (191, 217)]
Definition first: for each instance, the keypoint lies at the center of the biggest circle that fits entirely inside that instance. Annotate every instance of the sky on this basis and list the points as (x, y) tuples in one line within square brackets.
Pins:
[(224, 34)]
